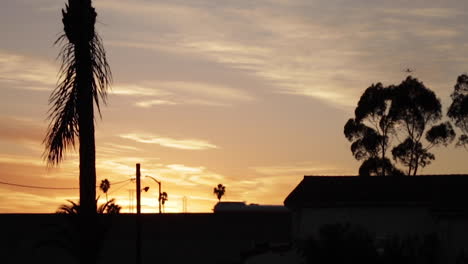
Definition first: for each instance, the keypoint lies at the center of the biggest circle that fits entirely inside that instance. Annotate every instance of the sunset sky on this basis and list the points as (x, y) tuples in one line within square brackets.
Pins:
[(250, 94)]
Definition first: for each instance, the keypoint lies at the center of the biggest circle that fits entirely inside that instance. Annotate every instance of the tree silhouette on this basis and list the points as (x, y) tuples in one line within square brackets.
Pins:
[(163, 199), (219, 191), (458, 110), (384, 114), (84, 79), (105, 186), (370, 131), (415, 108)]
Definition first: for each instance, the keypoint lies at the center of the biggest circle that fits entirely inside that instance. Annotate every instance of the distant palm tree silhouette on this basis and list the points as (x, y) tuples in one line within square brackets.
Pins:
[(163, 199), (219, 191), (105, 186)]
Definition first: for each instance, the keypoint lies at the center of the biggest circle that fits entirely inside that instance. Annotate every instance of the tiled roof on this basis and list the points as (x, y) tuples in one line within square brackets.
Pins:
[(334, 191)]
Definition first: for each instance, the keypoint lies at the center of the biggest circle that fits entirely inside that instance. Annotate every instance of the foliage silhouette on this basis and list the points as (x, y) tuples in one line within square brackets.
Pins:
[(345, 243), (405, 153), (110, 207), (370, 131), (163, 199), (340, 243), (423, 249), (458, 110), (384, 114), (415, 108), (378, 167), (69, 233), (219, 190), (105, 186)]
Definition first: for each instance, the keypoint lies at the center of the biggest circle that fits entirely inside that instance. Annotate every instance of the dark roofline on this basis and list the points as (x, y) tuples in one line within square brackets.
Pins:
[(338, 191)]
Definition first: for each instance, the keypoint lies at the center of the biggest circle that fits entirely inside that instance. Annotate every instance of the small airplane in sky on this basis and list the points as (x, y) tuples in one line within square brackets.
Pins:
[(408, 70)]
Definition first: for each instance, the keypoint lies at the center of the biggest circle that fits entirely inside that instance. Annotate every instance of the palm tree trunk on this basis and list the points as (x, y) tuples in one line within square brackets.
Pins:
[(86, 133), (84, 78)]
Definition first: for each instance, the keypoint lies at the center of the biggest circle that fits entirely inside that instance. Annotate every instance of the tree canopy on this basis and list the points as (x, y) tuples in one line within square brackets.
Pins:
[(370, 131), (458, 110), (384, 115), (416, 109)]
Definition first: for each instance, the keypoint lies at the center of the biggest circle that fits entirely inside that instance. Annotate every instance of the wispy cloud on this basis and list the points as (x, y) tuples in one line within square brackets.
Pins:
[(299, 169), (185, 144), (185, 169), (303, 51), (31, 73), (20, 129), (18, 201), (137, 90), (170, 93), (150, 103), (22, 160), (423, 12)]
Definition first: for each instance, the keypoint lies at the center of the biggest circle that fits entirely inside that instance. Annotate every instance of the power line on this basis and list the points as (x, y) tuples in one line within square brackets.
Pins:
[(113, 191), (37, 187), (120, 182), (49, 188)]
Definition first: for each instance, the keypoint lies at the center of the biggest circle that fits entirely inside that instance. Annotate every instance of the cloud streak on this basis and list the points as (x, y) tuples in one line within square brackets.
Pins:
[(172, 93), (184, 144), (303, 51), (31, 73)]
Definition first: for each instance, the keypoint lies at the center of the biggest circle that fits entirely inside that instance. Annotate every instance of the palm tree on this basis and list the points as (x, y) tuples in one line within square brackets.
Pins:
[(70, 236), (219, 191), (110, 207), (69, 209), (84, 79), (105, 186), (163, 198)]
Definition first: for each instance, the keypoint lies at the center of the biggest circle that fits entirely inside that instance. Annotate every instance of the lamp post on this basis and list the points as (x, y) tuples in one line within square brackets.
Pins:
[(159, 197)]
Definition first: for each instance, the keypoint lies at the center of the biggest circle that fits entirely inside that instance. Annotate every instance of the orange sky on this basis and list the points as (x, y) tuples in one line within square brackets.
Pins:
[(250, 94)]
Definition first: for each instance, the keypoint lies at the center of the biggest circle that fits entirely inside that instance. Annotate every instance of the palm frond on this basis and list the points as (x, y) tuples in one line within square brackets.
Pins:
[(69, 209), (102, 76), (63, 113)]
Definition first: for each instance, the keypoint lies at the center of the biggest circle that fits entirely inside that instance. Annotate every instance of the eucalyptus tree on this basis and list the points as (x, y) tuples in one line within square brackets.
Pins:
[(458, 110), (370, 131), (84, 79), (416, 110)]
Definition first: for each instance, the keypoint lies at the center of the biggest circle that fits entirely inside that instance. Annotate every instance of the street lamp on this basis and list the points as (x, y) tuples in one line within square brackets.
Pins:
[(159, 197)]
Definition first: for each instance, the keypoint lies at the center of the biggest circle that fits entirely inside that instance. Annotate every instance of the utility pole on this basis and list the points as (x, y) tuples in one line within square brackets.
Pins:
[(138, 188), (138, 220)]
